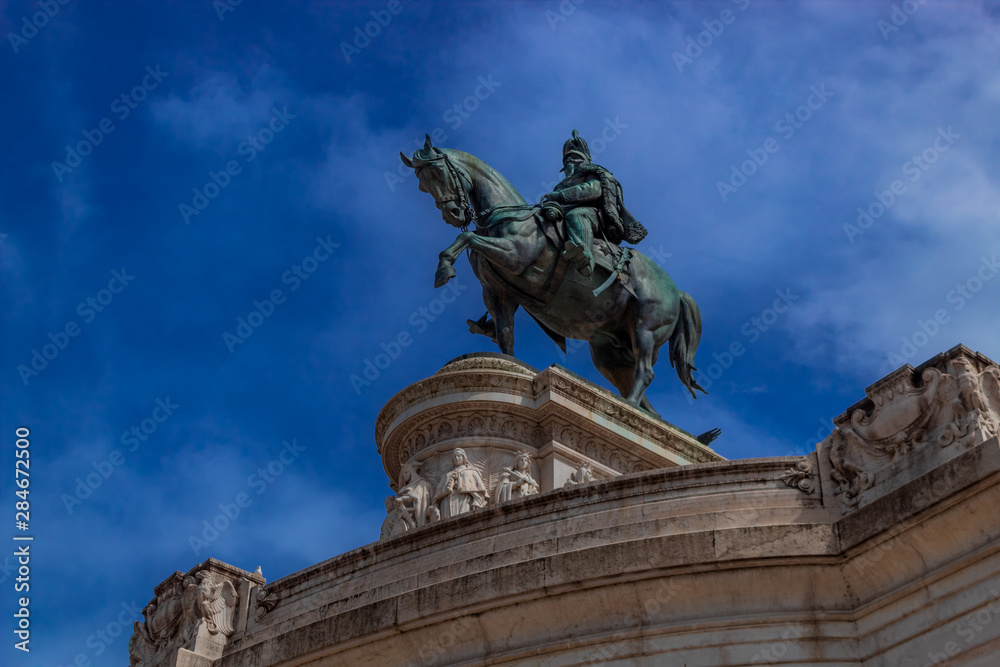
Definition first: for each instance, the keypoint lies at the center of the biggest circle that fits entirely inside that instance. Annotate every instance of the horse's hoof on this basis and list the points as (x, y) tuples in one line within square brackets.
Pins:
[(443, 275)]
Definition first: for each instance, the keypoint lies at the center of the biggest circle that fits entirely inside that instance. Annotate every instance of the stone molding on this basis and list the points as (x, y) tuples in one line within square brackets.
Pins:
[(197, 612), (496, 410), (872, 550), (914, 418), (663, 551), (489, 396)]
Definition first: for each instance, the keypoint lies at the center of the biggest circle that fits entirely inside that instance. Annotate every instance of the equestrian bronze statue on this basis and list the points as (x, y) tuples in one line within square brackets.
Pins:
[(561, 260)]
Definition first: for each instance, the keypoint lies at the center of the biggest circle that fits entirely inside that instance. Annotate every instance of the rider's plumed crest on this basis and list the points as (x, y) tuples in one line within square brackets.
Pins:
[(576, 145)]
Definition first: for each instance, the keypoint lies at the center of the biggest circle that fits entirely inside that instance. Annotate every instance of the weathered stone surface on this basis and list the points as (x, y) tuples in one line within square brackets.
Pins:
[(760, 561), (515, 426), (912, 420), (192, 616)]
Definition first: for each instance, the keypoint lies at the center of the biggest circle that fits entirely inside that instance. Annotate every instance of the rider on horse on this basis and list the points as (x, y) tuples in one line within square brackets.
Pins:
[(591, 200)]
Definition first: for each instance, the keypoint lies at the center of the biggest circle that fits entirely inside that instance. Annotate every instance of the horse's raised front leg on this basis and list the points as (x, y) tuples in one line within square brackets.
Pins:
[(447, 257), (502, 253)]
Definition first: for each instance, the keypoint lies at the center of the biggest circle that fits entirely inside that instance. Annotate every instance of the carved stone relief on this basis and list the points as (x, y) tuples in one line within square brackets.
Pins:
[(407, 510), (583, 474), (802, 475), (516, 481), (185, 607), (955, 406), (266, 602), (461, 489)]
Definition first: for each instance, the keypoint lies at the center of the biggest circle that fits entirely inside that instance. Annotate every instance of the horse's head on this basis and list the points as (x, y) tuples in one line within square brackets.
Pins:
[(439, 176)]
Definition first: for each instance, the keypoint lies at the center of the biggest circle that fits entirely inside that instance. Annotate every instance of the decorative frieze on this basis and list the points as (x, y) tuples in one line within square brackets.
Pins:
[(495, 406), (196, 611), (947, 404)]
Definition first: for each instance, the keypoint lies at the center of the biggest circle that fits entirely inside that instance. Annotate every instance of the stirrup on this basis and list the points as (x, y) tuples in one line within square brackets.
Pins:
[(579, 257)]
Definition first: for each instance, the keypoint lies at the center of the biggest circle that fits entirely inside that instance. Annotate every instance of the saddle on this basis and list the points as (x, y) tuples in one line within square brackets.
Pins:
[(613, 260)]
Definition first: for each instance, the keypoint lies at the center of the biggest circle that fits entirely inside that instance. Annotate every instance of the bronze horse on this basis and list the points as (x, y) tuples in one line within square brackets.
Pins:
[(517, 256)]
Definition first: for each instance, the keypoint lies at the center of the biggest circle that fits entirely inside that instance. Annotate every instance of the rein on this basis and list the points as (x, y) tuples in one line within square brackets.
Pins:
[(487, 218), (456, 177)]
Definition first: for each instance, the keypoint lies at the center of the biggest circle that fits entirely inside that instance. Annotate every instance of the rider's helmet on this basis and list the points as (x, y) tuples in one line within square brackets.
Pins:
[(576, 146)]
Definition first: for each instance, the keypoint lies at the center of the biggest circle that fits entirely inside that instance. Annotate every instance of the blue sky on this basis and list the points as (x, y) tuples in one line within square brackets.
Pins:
[(290, 131)]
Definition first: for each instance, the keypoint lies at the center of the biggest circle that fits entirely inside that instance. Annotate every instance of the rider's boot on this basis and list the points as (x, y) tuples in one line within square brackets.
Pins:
[(578, 247)]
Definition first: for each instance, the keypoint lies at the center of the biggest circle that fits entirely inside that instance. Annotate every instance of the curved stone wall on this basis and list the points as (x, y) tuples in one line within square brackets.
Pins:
[(830, 559)]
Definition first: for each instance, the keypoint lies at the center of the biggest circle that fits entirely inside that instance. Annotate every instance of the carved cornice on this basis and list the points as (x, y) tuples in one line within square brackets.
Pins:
[(469, 379), (802, 475), (267, 600), (186, 608), (515, 417), (952, 401), (445, 424), (616, 409), (597, 449), (488, 361)]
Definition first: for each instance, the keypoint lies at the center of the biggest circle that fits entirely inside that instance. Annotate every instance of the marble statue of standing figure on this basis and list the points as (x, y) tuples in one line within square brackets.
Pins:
[(414, 498), (516, 481), (461, 489)]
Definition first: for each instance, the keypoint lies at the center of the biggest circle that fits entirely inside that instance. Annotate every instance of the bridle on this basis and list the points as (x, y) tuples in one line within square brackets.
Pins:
[(489, 217), (454, 184)]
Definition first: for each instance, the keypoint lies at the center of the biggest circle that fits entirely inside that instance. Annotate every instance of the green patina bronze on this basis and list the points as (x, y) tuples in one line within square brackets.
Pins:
[(561, 261)]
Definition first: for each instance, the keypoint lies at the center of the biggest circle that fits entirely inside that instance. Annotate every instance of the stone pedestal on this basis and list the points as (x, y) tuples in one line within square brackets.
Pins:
[(881, 548), (495, 408)]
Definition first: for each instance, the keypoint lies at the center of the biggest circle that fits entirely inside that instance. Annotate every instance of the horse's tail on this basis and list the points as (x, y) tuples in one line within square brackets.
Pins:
[(684, 342)]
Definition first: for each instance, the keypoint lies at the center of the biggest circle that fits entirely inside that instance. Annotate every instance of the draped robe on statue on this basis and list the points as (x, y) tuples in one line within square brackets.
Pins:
[(461, 490)]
